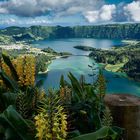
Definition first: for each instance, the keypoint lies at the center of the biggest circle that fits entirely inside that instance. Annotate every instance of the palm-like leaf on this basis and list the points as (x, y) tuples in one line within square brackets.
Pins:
[(10, 83), (7, 99), (76, 86), (104, 132)]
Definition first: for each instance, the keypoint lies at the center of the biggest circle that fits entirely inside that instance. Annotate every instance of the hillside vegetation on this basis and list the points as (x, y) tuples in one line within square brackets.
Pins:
[(124, 59), (113, 31), (4, 39)]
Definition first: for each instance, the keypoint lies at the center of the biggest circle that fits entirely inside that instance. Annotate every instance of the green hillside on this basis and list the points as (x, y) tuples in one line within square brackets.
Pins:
[(124, 59), (112, 31)]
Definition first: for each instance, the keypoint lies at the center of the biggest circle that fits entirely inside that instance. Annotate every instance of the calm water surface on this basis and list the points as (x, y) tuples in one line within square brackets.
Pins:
[(66, 45), (78, 65)]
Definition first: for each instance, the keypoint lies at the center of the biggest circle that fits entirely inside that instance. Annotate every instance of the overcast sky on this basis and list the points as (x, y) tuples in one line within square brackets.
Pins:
[(67, 12)]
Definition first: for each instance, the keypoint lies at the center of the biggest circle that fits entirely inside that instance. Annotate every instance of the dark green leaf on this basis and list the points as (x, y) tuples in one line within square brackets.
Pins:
[(11, 67), (104, 132), (17, 123), (8, 81)]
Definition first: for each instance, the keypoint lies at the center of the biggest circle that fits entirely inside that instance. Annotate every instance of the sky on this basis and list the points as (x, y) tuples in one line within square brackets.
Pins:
[(68, 12)]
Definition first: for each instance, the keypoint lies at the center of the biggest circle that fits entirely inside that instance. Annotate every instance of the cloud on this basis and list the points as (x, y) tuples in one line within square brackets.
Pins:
[(92, 16), (28, 12), (132, 11), (13, 20), (22, 8), (33, 8), (105, 13)]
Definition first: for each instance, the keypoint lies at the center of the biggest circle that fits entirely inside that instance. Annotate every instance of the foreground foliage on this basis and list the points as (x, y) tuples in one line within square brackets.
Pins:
[(27, 112), (51, 123), (103, 133)]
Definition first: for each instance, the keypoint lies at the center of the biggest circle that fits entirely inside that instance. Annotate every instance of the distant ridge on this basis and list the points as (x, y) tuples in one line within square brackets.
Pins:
[(110, 31)]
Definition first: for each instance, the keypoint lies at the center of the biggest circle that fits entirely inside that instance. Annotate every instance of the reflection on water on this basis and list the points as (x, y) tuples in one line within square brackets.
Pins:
[(78, 65), (67, 45)]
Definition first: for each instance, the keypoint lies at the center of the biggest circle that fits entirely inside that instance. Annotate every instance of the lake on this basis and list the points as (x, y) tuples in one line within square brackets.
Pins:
[(78, 65)]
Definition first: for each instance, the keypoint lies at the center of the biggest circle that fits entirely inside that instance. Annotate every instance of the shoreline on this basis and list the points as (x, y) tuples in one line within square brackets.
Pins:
[(130, 42), (45, 72), (116, 69), (117, 74)]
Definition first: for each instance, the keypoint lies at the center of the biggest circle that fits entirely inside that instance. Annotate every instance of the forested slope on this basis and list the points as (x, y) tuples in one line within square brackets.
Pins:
[(112, 31)]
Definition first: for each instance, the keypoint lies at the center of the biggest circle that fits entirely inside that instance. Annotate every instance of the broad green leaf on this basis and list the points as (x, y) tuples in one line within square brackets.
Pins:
[(8, 81), (7, 99), (104, 132), (76, 85), (10, 65), (17, 123)]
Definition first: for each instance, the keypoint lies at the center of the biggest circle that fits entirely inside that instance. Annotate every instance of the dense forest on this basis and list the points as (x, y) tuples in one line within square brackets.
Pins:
[(112, 31)]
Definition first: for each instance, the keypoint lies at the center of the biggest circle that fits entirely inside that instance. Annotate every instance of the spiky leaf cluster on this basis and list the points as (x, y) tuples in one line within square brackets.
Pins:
[(27, 102), (22, 105), (107, 118), (66, 94), (101, 84)]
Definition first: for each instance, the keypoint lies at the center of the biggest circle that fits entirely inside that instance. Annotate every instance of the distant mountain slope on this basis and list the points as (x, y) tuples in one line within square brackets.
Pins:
[(24, 37), (112, 31)]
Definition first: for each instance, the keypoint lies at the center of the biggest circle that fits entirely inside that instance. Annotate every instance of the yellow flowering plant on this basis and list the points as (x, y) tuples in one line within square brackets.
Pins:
[(20, 69), (51, 121)]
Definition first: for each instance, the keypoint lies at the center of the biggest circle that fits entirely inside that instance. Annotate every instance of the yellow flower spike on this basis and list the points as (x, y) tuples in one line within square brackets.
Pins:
[(25, 66), (53, 118)]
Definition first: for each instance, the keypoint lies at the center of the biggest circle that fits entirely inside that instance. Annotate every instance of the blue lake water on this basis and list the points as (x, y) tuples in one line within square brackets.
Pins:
[(66, 45), (78, 65)]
